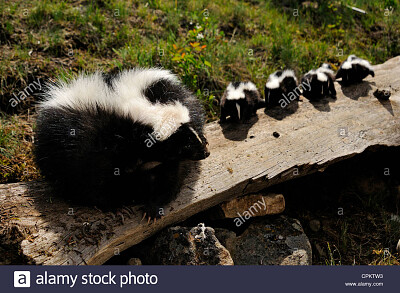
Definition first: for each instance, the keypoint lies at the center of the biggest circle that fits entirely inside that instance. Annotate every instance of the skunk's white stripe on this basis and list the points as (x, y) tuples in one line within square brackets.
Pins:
[(288, 73), (353, 59), (164, 118), (321, 73), (195, 133), (274, 81), (238, 109), (321, 76), (233, 93), (127, 98), (363, 62), (248, 85), (346, 65), (132, 84), (238, 93), (325, 69), (83, 92)]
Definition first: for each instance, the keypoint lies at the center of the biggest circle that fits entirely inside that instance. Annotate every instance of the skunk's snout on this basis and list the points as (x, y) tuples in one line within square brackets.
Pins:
[(200, 153), (206, 151), (193, 147)]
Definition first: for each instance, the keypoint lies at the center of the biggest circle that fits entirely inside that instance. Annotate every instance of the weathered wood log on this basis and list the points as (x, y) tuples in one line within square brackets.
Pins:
[(37, 228)]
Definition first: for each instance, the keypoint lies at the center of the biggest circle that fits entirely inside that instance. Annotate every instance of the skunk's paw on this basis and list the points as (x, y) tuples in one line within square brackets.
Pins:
[(152, 213), (121, 213)]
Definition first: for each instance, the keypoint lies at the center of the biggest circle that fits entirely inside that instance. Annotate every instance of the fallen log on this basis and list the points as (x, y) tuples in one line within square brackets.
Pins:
[(276, 146)]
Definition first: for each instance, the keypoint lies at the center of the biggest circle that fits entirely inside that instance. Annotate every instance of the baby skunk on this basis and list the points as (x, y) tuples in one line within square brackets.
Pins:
[(279, 85), (354, 70), (240, 101), (111, 140), (321, 83)]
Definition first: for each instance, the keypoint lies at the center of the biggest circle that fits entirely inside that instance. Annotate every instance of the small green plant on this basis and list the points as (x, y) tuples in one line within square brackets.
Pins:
[(190, 56), (332, 260)]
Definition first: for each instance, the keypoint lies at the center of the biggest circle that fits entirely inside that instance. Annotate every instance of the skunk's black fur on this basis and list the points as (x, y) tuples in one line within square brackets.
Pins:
[(97, 154), (278, 85), (354, 70), (321, 83), (240, 101)]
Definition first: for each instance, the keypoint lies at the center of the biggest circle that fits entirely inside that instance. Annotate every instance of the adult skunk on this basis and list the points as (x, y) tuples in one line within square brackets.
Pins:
[(354, 70), (240, 101), (278, 86), (108, 140), (321, 83)]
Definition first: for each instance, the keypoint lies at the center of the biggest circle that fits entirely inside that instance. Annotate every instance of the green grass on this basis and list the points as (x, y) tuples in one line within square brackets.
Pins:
[(243, 40), (16, 158), (334, 257)]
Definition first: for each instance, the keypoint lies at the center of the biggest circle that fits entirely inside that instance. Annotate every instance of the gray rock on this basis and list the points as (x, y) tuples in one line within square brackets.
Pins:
[(185, 246), (271, 241), (224, 235)]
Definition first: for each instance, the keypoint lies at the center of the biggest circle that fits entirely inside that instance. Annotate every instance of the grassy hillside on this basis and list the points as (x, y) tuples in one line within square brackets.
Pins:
[(208, 43)]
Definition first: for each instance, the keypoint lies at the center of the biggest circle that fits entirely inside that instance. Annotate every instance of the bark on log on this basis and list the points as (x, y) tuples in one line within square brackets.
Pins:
[(40, 229)]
